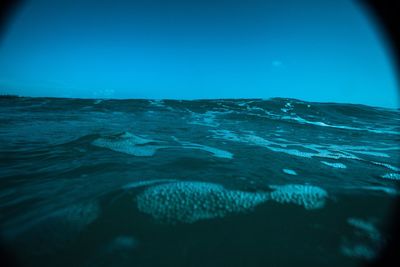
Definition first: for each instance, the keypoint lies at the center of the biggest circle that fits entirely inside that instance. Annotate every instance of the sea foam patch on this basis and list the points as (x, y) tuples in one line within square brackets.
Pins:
[(308, 196), (130, 144), (215, 151), (272, 144), (310, 150), (204, 119), (392, 176), (208, 118), (343, 127), (289, 171), (387, 190), (365, 242), (226, 134), (386, 165), (366, 227), (188, 202), (157, 103), (336, 165), (138, 146)]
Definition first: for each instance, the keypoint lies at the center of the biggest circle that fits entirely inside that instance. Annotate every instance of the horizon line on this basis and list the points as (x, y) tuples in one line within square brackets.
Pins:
[(5, 95)]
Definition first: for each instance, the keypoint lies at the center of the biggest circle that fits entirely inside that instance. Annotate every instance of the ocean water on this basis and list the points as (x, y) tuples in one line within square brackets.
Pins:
[(246, 182)]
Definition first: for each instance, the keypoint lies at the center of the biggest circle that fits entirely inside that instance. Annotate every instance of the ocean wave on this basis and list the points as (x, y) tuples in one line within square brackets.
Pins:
[(107, 174)]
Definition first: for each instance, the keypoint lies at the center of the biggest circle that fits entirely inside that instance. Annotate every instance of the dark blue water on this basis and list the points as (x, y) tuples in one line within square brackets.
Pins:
[(277, 182)]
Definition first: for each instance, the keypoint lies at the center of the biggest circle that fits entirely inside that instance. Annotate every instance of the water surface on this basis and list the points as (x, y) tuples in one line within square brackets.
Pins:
[(245, 182)]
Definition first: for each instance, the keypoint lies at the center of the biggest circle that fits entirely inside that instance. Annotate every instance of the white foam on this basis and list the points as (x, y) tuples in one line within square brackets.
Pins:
[(372, 153), (387, 190), (317, 123), (367, 150), (288, 107), (157, 103), (308, 196), (188, 202), (141, 147), (312, 150), (129, 144), (205, 119), (215, 151), (208, 118), (257, 140), (386, 165), (254, 108), (392, 176), (293, 152), (280, 147), (290, 172), (335, 164), (269, 144), (366, 227), (226, 134), (134, 139)]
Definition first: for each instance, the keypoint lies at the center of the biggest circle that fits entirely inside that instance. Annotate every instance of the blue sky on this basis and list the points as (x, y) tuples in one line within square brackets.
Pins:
[(315, 50)]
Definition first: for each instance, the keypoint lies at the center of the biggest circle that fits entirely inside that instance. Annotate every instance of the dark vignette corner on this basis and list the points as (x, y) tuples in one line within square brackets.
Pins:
[(385, 13)]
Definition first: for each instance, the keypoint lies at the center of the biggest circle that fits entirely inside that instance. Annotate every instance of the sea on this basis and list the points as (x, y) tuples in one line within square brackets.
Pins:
[(221, 182)]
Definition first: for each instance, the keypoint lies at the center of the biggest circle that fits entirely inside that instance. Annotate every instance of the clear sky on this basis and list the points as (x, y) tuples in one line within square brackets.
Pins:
[(313, 50)]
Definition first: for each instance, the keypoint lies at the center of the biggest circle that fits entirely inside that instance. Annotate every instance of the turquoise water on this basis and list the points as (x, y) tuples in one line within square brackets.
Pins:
[(246, 182)]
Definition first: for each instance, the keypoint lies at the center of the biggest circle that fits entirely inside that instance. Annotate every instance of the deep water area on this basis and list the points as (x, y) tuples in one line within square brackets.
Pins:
[(230, 182)]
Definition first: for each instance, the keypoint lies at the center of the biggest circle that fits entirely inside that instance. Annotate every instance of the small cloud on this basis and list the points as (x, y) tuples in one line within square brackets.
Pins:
[(277, 63)]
